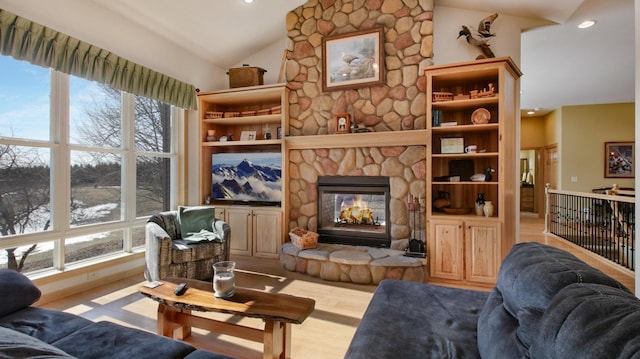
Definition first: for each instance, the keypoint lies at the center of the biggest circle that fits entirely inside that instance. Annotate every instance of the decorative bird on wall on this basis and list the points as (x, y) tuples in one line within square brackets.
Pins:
[(481, 36)]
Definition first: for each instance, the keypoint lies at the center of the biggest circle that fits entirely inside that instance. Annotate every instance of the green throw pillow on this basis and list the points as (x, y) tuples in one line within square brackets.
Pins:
[(194, 219)]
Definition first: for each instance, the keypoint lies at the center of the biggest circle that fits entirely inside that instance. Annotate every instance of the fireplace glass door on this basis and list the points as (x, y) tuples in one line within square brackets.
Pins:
[(354, 214)]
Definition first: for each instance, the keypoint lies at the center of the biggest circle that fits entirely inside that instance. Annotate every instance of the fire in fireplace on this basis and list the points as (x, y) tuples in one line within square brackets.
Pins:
[(354, 210)]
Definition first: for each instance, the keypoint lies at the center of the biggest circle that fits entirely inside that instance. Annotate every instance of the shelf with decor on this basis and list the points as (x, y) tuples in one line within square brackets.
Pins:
[(472, 121), (242, 127)]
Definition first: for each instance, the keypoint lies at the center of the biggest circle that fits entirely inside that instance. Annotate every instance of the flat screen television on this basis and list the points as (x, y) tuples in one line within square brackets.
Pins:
[(247, 177)]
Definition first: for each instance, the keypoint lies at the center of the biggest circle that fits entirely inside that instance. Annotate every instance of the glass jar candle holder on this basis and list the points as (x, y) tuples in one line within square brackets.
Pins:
[(223, 279)]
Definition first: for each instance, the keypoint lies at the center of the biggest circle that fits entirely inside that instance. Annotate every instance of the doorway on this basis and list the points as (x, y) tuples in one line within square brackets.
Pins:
[(531, 181)]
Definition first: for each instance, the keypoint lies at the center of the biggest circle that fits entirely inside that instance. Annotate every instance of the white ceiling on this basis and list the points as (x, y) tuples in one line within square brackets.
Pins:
[(561, 64)]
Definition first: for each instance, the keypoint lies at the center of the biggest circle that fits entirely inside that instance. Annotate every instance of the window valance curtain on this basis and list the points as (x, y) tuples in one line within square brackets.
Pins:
[(26, 40)]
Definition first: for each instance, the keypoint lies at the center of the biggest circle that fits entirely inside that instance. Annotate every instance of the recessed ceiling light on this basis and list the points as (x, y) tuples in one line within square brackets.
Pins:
[(530, 112), (587, 23), (248, 1)]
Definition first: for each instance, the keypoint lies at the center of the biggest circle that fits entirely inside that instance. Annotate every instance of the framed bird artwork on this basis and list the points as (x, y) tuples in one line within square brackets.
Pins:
[(353, 60)]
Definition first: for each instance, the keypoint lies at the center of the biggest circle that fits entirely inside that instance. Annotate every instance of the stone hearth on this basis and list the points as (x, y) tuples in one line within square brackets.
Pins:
[(356, 264)]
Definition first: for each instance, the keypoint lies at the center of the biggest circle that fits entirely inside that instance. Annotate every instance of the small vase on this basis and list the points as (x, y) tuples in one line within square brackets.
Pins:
[(211, 135), (488, 209), (479, 209)]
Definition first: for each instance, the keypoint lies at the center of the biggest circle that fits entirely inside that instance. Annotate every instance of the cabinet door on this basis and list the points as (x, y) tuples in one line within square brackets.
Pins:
[(239, 220), (267, 232), (482, 251), (219, 213), (446, 249)]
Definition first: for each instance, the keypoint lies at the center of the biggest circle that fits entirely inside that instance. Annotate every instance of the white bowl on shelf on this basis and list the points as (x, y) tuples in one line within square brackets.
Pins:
[(478, 177)]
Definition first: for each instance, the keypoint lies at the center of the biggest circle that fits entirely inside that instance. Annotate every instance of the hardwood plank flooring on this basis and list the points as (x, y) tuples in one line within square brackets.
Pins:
[(325, 334)]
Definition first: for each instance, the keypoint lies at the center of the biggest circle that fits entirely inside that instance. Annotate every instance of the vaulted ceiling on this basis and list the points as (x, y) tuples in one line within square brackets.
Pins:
[(562, 65)]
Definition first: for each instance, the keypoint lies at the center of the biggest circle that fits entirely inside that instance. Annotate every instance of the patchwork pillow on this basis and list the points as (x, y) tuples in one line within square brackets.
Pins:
[(194, 219), (17, 292), (14, 344)]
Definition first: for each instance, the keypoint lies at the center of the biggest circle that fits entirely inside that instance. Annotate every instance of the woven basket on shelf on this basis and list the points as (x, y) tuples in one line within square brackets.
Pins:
[(303, 239)]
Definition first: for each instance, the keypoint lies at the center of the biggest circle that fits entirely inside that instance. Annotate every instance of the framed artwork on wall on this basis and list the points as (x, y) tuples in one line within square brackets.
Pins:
[(353, 60), (619, 160)]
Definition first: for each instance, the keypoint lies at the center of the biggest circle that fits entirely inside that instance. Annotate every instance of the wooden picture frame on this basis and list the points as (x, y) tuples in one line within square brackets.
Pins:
[(353, 60), (248, 136), (343, 123), (620, 160)]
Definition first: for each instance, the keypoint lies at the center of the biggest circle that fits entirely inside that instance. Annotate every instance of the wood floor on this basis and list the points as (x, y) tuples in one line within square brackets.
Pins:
[(325, 334)]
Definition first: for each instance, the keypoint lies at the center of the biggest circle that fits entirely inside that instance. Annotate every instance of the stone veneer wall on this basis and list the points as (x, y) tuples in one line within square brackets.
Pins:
[(395, 107), (400, 105)]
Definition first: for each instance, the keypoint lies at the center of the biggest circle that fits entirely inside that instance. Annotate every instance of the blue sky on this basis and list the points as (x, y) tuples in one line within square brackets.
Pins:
[(25, 99)]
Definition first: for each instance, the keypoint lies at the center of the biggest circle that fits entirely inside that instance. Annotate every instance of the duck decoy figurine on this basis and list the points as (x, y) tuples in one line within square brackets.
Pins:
[(481, 36), (487, 173)]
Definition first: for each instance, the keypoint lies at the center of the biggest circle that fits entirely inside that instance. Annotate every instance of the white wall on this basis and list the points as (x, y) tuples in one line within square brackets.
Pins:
[(270, 59), (447, 22), (87, 21)]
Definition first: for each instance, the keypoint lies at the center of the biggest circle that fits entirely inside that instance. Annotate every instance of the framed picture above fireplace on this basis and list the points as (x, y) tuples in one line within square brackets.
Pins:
[(353, 60)]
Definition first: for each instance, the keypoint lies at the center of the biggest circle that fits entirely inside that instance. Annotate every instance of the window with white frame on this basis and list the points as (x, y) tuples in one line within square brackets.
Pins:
[(81, 166)]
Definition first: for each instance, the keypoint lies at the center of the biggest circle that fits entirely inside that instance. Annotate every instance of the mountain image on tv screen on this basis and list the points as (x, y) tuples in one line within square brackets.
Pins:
[(247, 177)]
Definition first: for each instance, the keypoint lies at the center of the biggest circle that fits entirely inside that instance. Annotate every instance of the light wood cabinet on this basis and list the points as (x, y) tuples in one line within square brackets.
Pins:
[(482, 251), (466, 250), (446, 249), (266, 232), (240, 221), (254, 231), (260, 110), (467, 247)]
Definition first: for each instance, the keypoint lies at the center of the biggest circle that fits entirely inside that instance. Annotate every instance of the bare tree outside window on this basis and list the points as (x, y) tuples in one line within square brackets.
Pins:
[(96, 176)]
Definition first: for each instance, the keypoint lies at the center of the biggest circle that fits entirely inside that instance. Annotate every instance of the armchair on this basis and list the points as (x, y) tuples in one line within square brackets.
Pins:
[(169, 255)]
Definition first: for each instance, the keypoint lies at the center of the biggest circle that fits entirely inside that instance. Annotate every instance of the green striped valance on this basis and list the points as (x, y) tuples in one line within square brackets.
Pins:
[(26, 40)]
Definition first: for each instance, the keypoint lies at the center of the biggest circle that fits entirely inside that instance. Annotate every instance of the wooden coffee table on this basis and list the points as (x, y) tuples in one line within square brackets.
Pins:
[(278, 311)]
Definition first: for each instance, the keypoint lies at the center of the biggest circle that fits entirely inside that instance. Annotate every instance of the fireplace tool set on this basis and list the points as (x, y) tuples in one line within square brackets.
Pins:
[(417, 247)]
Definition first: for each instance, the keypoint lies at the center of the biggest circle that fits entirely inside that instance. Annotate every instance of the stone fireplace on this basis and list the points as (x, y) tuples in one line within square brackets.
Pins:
[(404, 167), (395, 113), (354, 210)]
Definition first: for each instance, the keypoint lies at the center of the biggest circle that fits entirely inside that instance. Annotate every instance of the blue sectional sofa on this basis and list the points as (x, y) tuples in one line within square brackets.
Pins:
[(27, 331), (546, 304)]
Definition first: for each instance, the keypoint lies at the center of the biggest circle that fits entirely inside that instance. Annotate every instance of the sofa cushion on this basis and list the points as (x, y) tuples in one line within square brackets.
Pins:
[(194, 219), (532, 273), (529, 278), (17, 292), (417, 320), (498, 330), (109, 340), (44, 324), (18, 345), (589, 320)]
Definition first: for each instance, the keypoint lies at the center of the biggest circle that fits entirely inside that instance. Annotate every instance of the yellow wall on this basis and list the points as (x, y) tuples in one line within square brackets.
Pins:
[(532, 132), (584, 130), (580, 133)]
